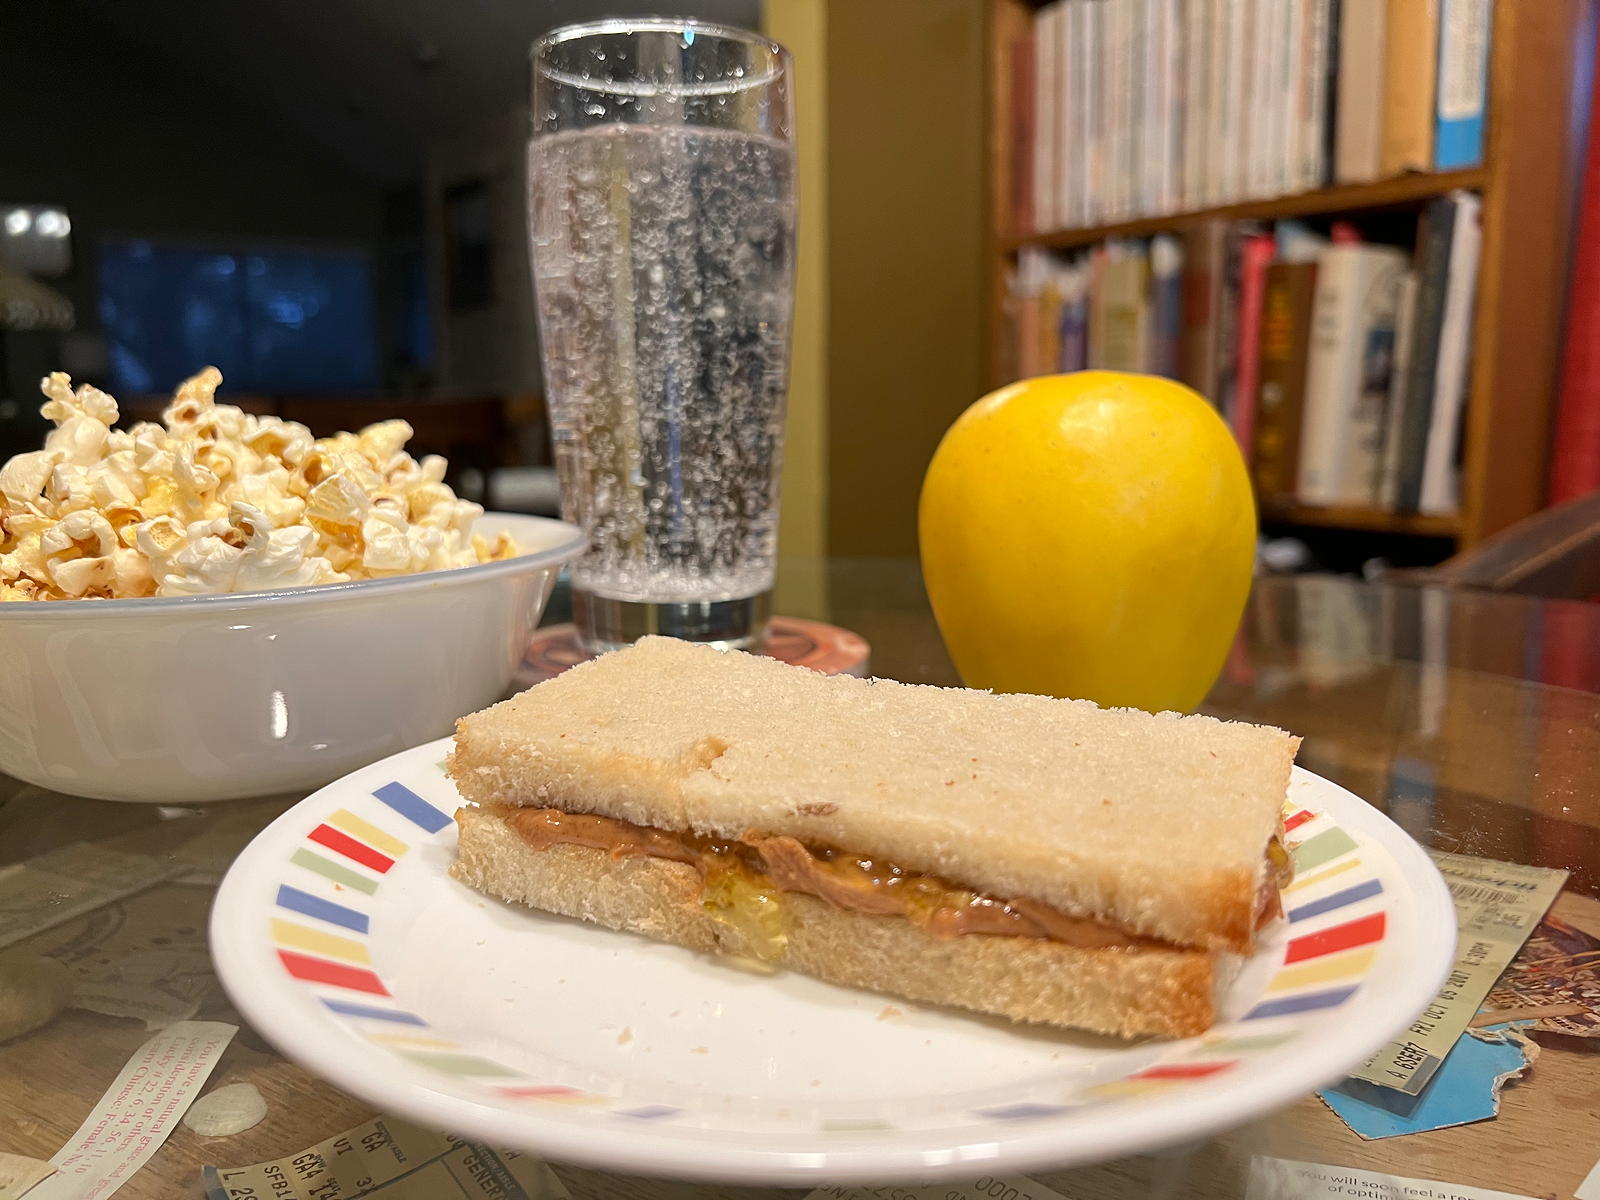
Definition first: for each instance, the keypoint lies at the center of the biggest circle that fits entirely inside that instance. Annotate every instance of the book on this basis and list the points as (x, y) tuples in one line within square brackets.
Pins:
[(1125, 307), (1166, 306), (1575, 449), (1023, 153), (1061, 216), (1227, 315), (1285, 345), (1197, 17), (1359, 90), (1411, 62), (1394, 425), (1223, 102), (1096, 111), (1075, 317), (1116, 78), (1434, 235), (1204, 258), (1135, 34), (1327, 13), (1074, 116), (1347, 372), (1282, 127), (1441, 471), (1261, 99), (1095, 267), (1046, 110), (1255, 256), (1163, 150), (1463, 83), (1243, 69)]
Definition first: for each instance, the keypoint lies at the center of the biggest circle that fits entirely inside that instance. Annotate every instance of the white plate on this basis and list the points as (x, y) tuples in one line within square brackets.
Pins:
[(342, 940)]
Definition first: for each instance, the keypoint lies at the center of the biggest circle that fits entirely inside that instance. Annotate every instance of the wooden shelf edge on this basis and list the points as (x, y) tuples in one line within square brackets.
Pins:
[(1365, 519), (1385, 193)]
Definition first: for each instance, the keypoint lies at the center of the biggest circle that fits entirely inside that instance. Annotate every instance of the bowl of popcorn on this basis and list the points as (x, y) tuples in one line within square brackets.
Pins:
[(221, 605)]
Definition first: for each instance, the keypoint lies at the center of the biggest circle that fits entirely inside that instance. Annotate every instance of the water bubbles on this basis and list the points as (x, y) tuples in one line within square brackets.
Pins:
[(664, 292)]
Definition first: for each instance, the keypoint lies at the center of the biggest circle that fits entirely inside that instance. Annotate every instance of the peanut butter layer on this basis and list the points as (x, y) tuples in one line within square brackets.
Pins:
[(847, 881)]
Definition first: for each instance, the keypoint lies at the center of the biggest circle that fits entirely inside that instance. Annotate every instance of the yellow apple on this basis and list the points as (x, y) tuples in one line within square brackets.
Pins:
[(1089, 535)]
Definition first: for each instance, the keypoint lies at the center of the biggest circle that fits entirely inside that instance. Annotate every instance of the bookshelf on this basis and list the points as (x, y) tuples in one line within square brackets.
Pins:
[(1404, 192), (1367, 520), (1540, 54)]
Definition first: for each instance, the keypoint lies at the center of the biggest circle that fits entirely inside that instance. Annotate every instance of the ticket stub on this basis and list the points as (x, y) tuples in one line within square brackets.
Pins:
[(390, 1158), (18, 1173), (1286, 1179), (138, 1111), (1497, 906), (985, 1187)]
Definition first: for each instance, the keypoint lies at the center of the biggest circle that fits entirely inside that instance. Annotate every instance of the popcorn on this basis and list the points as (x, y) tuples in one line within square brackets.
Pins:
[(218, 500)]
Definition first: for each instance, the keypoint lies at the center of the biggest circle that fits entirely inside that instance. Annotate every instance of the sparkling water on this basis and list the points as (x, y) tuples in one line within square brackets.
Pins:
[(664, 270)]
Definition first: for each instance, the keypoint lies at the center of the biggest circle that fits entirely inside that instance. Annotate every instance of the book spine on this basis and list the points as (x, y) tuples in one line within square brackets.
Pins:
[(1433, 272), (1133, 110), (1296, 56), (1575, 450), (1078, 168), (1126, 304), (1097, 306), (1327, 111), (1411, 53), (1116, 74), (1312, 99), (1094, 97), (1464, 27), (1152, 84), (1285, 335), (1222, 101), (1247, 69), (1047, 138), (1441, 482), (1202, 275), (1227, 323), (1196, 114), (1359, 106), (1405, 336), (1361, 465), (1255, 258), (1327, 371), (1166, 305), (1075, 319), (1069, 151), (1022, 134)]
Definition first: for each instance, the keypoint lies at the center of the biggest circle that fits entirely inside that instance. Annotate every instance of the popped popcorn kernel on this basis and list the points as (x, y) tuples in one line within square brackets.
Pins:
[(214, 499)]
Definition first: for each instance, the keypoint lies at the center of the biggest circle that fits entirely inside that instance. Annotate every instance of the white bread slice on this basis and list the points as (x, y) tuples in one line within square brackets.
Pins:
[(1156, 822), (1118, 991)]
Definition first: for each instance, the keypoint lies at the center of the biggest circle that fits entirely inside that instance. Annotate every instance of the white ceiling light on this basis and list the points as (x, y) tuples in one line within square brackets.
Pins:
[(52, 223)]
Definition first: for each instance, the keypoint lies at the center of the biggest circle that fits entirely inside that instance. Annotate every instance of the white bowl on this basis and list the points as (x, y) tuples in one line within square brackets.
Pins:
[(195, 698)]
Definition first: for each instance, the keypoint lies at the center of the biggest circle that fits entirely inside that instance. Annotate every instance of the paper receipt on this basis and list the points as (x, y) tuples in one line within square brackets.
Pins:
[(390, 1158), (138, 1111), (1285, 1179), (986, 1187), (1497, 906)]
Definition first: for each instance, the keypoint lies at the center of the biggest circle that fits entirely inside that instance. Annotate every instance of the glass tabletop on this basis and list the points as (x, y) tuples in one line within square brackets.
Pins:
[(1473, 720)]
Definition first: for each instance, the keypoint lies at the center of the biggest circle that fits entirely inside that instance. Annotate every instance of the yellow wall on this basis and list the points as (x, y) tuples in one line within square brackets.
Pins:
[(890, 297), (801, 25), (906, 182)]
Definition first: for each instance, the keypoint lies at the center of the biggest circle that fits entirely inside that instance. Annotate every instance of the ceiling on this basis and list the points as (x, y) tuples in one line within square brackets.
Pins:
[(374, 82)]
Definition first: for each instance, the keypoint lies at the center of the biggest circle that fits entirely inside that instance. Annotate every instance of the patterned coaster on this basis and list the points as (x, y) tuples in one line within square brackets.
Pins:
[(822, 647)]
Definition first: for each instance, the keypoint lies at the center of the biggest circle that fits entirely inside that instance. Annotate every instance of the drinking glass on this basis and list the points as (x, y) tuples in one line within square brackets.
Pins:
[(661, 202)]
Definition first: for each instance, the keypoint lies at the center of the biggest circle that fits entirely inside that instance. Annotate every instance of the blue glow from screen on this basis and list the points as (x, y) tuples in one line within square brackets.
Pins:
[(272, 320)]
